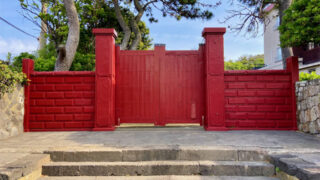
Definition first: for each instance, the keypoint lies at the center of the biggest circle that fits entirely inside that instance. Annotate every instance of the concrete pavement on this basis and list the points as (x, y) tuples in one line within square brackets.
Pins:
[(304, 147), (158, 137)]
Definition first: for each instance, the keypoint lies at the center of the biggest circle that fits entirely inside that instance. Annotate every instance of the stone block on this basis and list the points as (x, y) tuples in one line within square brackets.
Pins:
[(213, 155), (315, 114), (12, 111), (313, 129)]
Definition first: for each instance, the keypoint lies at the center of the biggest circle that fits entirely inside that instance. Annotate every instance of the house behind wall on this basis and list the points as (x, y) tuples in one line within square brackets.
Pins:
[(309, 57)]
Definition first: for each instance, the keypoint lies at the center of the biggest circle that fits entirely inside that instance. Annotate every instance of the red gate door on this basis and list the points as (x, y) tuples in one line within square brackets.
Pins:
[(181, 87), (159, 87)]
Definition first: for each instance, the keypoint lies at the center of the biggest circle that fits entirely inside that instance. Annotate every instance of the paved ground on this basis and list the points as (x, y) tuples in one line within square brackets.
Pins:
[(161, 178), (303, 146), (157, 137)]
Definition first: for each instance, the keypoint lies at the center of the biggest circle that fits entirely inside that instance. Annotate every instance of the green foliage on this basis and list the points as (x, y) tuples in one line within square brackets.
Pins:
[(92, 14), (83, 62), (102, 15), (44, 64), (9, 78), (189, 9), (301, 24), (245, 63), (308, 76), (17, 61), (46, 58)]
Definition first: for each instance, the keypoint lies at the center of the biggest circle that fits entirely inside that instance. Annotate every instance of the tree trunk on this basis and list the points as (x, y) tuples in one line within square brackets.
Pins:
[(286, 52), (135, 28), (123, 24), (44, 28), (67, 53), (134, 24)]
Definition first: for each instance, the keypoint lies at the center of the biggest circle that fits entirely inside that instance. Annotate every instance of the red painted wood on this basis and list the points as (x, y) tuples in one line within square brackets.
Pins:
[(181, 87), (293, 68), (160, 87), (27, 68), (105, 79), (259, 100), (137, 87), (117, 121), (61, 101), (214, 57)]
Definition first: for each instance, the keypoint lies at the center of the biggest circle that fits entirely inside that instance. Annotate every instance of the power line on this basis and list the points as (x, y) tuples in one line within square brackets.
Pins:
[(18, 28)]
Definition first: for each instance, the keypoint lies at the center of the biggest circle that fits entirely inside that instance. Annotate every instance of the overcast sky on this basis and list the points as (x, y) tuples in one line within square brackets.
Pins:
[(177, 35)]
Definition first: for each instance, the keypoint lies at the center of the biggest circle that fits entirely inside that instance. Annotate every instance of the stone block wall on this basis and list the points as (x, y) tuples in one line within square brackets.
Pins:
[(11, 113), (308, 106)]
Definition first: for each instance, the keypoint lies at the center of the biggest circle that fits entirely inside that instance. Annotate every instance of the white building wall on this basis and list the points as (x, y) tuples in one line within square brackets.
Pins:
[(272, 51), (271, 42)]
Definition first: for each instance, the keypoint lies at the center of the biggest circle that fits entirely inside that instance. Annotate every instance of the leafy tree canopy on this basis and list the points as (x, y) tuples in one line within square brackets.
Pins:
[(92, 14), (245, 63), (189, 9), (301, 24)]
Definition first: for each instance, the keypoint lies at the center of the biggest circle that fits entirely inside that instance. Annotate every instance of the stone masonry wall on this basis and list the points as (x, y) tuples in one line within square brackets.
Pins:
[(308, 106), (11, 113)]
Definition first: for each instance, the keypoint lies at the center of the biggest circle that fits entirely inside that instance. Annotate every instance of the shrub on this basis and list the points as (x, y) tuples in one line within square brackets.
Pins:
[(17, 61), (83, 62), (9, 78), (308, 76), (46, 62), (245, 63)]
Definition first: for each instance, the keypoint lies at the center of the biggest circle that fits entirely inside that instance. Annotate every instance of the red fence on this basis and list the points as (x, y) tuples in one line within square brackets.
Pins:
[(160, 87), (61, 101), (259, 100)]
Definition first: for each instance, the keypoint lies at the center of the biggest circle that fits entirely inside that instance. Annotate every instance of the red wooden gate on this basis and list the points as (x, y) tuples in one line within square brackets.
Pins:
[(159, 86)]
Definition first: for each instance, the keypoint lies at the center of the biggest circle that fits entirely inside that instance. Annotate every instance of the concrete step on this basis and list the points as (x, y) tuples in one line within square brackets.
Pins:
[(151, 168), (29, 166), (158, 178), (150, 154)]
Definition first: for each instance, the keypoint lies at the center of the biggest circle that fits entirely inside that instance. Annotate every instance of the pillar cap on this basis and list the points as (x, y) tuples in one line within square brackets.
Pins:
[(27, 59), (105, 31), (159, 44), (214, 31)]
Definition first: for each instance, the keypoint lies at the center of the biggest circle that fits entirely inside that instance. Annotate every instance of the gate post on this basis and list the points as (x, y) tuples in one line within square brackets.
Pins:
[(214, 70), (293, 68), (105, 79), (27, 68)]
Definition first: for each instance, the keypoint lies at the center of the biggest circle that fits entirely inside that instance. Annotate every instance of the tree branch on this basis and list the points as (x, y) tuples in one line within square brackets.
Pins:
[(123, 24)]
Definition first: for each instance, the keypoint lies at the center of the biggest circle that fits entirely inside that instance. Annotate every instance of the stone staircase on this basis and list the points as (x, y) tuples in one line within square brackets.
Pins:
[(160, 163)]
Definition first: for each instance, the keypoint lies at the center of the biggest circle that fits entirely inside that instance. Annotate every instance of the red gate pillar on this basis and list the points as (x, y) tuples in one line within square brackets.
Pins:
[(293, 68), (214, 70), (105, 79), (27, 68)]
